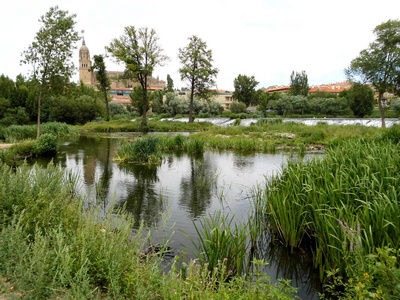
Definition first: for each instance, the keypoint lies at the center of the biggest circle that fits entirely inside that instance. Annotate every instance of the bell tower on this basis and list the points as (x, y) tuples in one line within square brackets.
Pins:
[(84, 64)]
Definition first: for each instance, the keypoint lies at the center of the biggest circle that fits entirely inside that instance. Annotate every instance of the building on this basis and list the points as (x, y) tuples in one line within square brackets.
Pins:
[(334, 88), (120, 88)]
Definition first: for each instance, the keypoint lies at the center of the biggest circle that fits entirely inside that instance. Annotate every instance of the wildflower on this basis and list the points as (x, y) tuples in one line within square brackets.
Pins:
[(225, 259), (366, 275)]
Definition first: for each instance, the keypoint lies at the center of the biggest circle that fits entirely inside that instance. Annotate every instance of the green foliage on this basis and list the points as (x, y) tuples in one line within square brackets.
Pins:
[(15, 116), (117, 109), (78, 110), (238, 107), (299, 84), (361, 99), (221, 240), (197, 69), (157, 105), (245, 90), (104, 83), (46, 144), (379, 64), (141, 53), (142, 150), (395, 105), (50, 53), (345, 201), (170, 84)]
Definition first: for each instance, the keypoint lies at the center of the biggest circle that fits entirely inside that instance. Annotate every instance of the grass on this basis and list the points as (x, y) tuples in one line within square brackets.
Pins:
[(346, 200), (221, 240), (142, 150), (51, 248), (17, 133), (152, 126), (47, 144)]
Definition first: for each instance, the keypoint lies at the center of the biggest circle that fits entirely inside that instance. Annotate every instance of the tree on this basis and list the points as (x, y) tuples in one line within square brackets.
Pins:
[(141, 53), (299, 84), (197, 69), (379, 64), (170, 84), (51, 51), (102, 77), (361, 99), (245, 89)]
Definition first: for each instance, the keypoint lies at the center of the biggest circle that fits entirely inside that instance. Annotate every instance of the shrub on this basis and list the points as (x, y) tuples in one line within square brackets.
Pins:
[(45, 144), (238, 107)]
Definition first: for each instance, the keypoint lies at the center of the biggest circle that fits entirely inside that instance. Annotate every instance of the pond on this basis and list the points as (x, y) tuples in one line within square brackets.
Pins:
[(184, 188)]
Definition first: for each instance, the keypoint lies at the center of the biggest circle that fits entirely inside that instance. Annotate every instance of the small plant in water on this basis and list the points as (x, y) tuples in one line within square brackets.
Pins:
[(143, 150), (221, 239)]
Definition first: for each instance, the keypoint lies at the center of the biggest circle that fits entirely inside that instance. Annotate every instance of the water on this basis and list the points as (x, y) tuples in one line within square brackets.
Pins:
[(375, 122), (185, 187)]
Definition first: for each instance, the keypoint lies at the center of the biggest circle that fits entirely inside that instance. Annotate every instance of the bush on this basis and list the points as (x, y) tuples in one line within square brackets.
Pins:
[(45, 144), (238, 107), (395, 105)]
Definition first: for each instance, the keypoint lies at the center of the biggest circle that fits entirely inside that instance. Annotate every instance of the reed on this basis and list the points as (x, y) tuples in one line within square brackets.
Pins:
[(354, 184), (17, 133), (142, 150), (221, 240), (51, 248)]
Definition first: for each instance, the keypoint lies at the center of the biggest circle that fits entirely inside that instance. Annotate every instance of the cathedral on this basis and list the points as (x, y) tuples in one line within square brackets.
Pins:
[(89, 78)]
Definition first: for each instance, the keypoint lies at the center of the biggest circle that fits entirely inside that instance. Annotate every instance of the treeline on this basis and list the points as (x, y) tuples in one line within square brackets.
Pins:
[(69, 103)]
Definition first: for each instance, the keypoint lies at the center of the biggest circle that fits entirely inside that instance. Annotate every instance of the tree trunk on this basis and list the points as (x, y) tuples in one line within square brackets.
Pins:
[(381, 109), (107, 106), (145, 105), (191, 104), (39, 109)]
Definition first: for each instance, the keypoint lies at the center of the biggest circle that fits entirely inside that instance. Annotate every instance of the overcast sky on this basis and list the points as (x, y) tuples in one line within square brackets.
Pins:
[(267, 39)]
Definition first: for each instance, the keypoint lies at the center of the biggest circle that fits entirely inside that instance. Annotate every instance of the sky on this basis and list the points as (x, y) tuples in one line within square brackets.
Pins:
[(267, 39)]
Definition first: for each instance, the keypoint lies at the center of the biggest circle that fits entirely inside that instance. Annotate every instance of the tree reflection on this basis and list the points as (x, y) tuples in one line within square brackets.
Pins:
[(197, 188), (143, 201)]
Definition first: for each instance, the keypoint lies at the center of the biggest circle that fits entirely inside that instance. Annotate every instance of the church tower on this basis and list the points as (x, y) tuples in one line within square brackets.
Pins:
[(84, 64)]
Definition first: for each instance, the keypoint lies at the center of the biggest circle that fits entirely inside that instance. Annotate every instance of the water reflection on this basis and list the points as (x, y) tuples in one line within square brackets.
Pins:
[(184, 186), (196, 187), (143, 200)]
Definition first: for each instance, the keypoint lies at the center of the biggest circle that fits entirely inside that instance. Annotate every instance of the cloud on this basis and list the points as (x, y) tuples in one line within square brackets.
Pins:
[(267, 39)]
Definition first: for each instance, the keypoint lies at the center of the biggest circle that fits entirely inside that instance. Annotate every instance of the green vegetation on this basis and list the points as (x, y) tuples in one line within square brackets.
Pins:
[(50, 53), (51, 248), (142, 150), (17, 133), (344, 206), (379, 64), (221, 239), (152, 126)]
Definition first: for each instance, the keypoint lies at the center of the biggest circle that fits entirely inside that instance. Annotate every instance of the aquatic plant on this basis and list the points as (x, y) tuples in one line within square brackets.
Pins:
[(142, 150), (356, 182), (221, 240)]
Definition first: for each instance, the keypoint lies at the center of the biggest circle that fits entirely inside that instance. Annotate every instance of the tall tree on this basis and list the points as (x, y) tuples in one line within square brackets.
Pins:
[(141, 53), (103, 79), (299, 84), (51, 51), (245, 89), (197, 69), (170, 84), (361, 99), (379, 64)]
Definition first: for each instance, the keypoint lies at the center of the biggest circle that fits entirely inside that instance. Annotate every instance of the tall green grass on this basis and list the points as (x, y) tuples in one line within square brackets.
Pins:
[(51, 248), (46, 144), (142, 150), (221, 240), (17, 133), (347, 200)]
